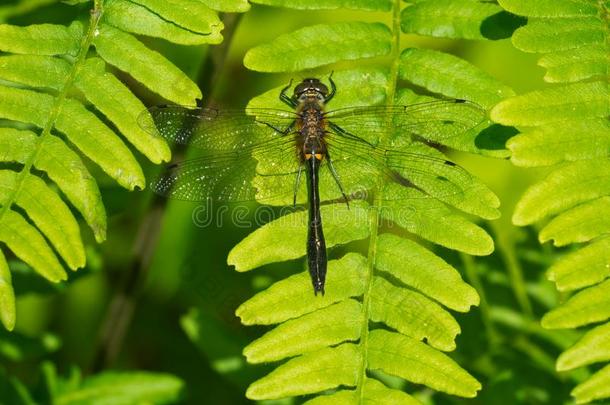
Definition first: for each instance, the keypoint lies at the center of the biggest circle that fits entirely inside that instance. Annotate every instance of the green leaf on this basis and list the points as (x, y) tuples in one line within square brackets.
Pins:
[(593, 347), (284, 238), (451, 76), (118, 103), (563, 34), (583, 267), (124, 388), (124, 51), (485, 138), (228, 6), (186, 22), (292, 296), (190, 14), (596, 387), (579, 224), (327, 327), (567, 126), (38, 201), (458, 19), (575, 64), (414, 361), (421, 269), (413, 315), (7, 296), (29, 245), (569, 185), (34, 70), (434, 221), (318, 371), (588, 306), (333, 43), (371, 5), (102, 89), (549, 8), (81, 127), (578, 101), (41, 39), (372, 391), (557, 142), (64, 167)]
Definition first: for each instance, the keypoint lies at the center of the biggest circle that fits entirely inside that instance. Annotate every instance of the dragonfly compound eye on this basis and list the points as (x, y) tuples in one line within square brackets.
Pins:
[(311, 87)]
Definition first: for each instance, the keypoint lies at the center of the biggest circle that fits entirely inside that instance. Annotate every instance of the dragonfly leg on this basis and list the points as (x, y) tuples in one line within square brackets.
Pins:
[(336, 177), (282, 132), (286, 98), (296, 185), (333, 88), (346, 134)]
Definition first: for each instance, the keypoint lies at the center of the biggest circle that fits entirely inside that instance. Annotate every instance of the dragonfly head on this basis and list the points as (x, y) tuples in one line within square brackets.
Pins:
[(310, 89)]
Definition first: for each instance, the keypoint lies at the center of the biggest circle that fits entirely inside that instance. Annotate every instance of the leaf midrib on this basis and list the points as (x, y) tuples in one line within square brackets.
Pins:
[(374, 216), (96, 15)]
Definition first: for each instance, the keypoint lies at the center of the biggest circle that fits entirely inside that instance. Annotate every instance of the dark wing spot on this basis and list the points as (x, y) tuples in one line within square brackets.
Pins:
[(449, 163), (460, 101)]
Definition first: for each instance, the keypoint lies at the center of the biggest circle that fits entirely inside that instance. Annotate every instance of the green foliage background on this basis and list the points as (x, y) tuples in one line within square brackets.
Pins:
[(160, 325)]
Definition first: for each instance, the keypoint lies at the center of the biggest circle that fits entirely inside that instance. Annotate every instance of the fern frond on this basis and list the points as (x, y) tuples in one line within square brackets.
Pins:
[(56, 83), (386, 312), (567, 126), (120, 388)]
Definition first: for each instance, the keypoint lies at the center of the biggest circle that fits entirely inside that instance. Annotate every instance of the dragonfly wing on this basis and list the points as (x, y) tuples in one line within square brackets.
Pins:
[(215, 130), (434, 121), (232, 176)]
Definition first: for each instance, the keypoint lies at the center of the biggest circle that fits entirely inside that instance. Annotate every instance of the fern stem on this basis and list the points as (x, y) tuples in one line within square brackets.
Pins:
[(374, 212), (96, 14), (473, 278), (506, 248)]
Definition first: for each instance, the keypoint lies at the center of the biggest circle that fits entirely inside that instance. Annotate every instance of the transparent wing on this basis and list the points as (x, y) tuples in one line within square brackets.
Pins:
[(418, 166), (229, 177), (434, 121), (233, 148), (215, 130)]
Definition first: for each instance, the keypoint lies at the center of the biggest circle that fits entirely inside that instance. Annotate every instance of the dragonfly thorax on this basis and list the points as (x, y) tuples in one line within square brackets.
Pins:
[(311, 127)]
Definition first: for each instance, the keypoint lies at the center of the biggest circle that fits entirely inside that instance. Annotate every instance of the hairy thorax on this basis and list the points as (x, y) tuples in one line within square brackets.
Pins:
[(311, 127)]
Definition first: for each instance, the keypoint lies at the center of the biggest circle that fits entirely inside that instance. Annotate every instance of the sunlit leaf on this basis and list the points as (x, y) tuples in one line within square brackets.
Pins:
[(292, 297), (579, 224), (585, 307), (326, 327), (284, 238), (29, 245), (451, 76), (42, 39), (596, 387), (313, 372), (186, 22), (38, 200), (124, 51), (583, 267), (579, 101), (336, 42), (459, 19), (372, 5), (593, 347), (414, 361), (7, 295), (549, 8), (558, 142), (421, 269)]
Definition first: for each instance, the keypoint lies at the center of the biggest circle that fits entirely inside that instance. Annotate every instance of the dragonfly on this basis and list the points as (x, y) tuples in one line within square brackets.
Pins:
[(266, 154)]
